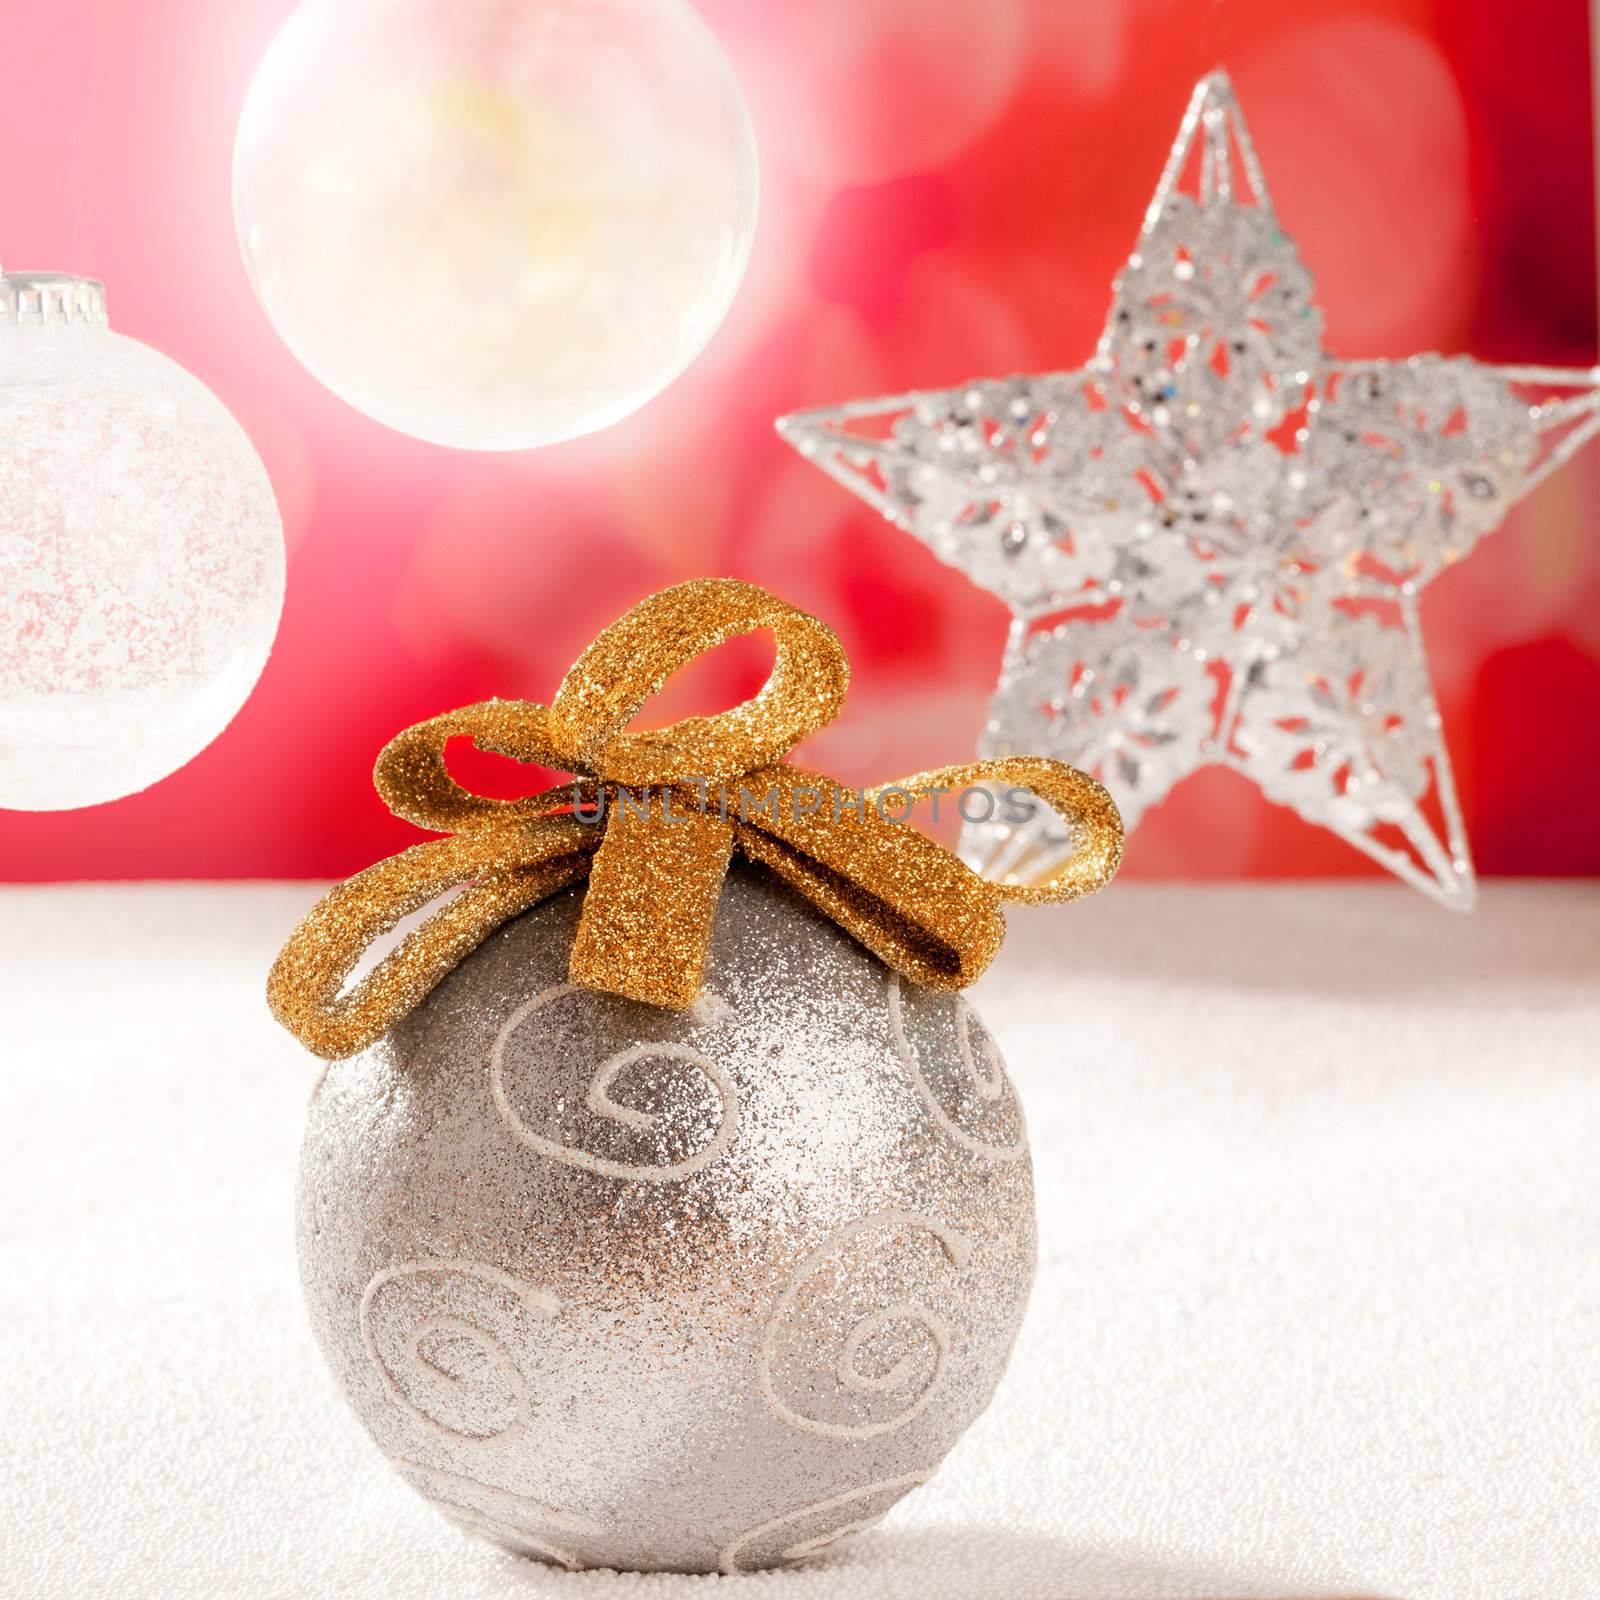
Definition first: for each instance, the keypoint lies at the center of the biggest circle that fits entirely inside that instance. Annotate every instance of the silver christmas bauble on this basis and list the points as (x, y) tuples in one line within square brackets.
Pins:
[(623, 1287)]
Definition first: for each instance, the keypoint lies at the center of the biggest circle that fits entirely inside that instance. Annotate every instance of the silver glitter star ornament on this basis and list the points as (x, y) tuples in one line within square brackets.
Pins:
[(1213, 536)]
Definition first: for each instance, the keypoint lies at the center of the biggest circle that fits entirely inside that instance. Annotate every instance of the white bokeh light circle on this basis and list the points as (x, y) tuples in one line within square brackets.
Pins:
[(141, 556), (501, 223)]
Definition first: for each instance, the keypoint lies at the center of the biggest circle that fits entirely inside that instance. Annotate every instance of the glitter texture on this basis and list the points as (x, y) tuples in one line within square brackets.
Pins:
[(141, 556), (654, 883), (1213, 536), (618, 1286)]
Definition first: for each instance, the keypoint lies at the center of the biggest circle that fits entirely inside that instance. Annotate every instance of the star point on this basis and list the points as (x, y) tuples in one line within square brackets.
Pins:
[(1213, 536)]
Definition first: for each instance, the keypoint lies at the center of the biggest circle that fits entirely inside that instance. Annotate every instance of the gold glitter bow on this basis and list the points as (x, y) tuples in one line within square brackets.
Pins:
[(655, 869)]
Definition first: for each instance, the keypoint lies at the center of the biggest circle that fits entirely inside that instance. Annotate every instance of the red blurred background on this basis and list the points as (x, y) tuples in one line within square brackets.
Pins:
[(948, 190)]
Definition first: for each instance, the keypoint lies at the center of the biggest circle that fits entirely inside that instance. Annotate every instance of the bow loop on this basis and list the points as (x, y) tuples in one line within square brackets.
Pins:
[(415, 784), (1086, 807), (655, 861), (633, 658)]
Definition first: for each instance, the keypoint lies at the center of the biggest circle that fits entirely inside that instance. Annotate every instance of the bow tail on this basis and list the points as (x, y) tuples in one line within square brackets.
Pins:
[(892, 888), (645, 932), (505, 872)]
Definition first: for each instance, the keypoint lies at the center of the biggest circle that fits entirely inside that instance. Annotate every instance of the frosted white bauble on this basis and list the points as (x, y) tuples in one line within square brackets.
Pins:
[(141, 555), (495, 224)]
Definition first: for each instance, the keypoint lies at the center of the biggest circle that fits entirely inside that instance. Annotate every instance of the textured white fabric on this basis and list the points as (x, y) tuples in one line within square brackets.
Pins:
[(1318, 1312)]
